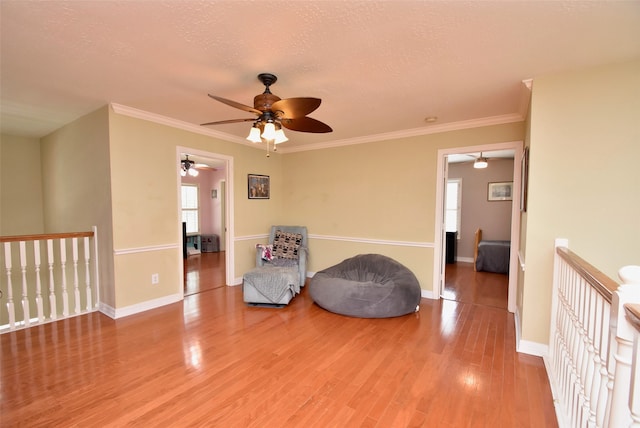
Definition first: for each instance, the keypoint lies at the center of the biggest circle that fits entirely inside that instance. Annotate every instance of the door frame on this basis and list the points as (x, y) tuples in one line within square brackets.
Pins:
[(229, 209), (439, 253)]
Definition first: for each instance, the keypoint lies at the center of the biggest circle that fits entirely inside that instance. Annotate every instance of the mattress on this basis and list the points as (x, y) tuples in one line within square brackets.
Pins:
[(493, 256)]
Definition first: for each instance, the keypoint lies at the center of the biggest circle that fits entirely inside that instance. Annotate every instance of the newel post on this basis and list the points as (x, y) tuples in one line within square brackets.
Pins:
[(622, 347)]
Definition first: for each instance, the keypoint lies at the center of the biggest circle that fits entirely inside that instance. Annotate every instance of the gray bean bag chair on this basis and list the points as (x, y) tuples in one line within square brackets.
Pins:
[(367, 286)]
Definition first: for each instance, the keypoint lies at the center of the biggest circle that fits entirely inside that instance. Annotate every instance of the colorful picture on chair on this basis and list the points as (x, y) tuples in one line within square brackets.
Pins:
[(259, 186)]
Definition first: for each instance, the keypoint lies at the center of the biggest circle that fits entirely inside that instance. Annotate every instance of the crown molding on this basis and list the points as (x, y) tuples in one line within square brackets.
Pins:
[(433, 129), (414, 132), (525, 97), (175, 123)]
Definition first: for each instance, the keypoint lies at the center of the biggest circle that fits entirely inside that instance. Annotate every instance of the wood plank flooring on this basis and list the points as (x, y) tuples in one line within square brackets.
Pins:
[(212, 361), (203, 272), (463, 284)]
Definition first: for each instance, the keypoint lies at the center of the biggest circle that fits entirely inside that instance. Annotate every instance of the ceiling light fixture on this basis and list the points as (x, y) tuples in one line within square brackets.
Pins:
[(481, 162), (269, 130), (187, 167), (274, 113)]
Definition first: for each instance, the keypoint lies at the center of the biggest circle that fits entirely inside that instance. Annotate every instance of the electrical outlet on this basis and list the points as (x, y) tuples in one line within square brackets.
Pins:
[(155, 278)]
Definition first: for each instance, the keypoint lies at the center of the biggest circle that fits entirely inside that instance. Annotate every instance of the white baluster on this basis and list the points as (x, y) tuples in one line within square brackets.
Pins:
[(606, 383), (25, 291), (599, 398), (96, 268), (36, 257), (582, 350), (63, 265), (10, 305), (629, 291), (76, 289), (53, 306), (575, 343), (597, 363), (87, 271), (565, 357), (589, 357)]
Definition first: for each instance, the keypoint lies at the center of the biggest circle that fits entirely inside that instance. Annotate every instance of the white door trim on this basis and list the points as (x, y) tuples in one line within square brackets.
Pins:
[(517, 146), (229, 208)]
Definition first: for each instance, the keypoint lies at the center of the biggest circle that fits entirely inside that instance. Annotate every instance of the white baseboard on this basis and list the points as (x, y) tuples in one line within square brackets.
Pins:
[(428, 294), (116, 313), (464, 259), (533, 348), (526, 346)]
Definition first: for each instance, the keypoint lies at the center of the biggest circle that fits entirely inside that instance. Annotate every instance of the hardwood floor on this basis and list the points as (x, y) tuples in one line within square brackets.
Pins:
[(203, 272), (213, 361), (463, 284)]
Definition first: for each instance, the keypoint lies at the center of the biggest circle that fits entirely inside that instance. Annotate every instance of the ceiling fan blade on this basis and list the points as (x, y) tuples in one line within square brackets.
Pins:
[(306, 124), (295, 107), (236, 104), (204, 166), (222, 122)]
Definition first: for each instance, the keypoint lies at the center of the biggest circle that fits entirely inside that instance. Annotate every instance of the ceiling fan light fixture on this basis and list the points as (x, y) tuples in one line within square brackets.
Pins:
[(480, 163), (254, 135), (187, 166), (280, 137), (269, 132)]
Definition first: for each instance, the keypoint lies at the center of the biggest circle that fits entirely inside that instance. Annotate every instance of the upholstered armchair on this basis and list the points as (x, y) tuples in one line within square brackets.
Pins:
[(302, 250), (281, 267)]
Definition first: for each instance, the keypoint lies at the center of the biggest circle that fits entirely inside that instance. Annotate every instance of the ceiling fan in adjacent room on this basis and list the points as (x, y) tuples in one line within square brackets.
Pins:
[(481, 160), (189, 167), (274, 113)]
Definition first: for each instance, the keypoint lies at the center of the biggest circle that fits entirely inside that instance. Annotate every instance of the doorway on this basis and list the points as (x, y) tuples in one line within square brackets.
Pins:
[(440, 266), (209, 254)]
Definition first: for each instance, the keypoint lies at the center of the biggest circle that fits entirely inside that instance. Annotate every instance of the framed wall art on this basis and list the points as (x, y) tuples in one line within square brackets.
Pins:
[(500, 191), (259, 186)]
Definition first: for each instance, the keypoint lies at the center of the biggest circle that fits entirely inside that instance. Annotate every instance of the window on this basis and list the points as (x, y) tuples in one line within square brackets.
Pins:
[(452, 205), (190, 207)]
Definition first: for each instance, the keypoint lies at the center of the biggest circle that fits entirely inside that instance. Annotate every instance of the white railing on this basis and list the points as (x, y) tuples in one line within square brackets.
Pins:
[(590, 357), (47, 278)]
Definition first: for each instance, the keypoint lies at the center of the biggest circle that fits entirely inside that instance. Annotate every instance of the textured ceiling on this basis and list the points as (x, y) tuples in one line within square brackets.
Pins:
[(380, 67)]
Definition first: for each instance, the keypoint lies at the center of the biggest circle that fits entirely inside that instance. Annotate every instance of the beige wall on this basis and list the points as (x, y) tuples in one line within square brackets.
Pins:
[(146, 223), (76, 185), (493, 217), (376, 197), (584, 179), (20, 186)]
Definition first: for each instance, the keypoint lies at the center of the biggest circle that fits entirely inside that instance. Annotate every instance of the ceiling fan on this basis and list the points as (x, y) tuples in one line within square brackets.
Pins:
[(274, 113), (187, 166)]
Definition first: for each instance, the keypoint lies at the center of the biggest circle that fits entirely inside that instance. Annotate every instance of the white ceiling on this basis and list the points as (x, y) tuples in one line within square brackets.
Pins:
[(380, 67)]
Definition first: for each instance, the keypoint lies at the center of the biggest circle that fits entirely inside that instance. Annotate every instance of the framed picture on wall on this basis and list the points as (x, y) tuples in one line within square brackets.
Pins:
[(259, 186), (500, 191)]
